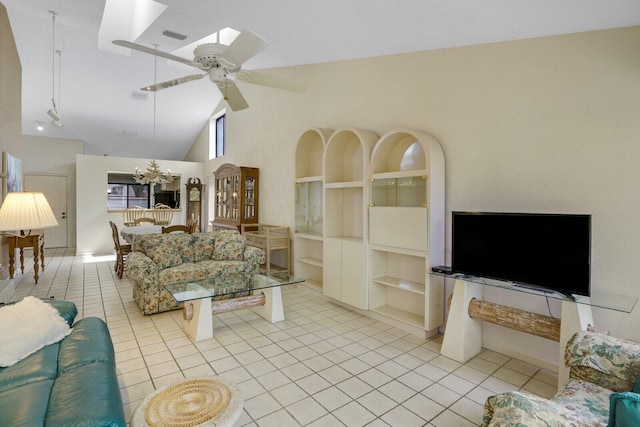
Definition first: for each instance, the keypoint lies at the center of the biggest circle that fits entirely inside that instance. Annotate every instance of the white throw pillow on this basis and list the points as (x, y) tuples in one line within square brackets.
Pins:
[(26, 327)]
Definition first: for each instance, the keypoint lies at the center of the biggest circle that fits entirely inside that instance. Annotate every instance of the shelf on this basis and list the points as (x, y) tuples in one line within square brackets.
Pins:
[(309, 236), (308, 179), (347, 238), (314, 284), (405, 285), (345, 184), (311, 261), (400, 174), (401, 315), (624, 304)]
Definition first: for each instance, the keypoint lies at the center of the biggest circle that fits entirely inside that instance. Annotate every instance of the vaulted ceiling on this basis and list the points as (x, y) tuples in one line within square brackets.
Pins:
[(98, 92)]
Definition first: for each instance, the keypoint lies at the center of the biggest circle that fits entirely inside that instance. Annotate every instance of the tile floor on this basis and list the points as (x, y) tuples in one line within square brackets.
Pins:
[(323, 366)]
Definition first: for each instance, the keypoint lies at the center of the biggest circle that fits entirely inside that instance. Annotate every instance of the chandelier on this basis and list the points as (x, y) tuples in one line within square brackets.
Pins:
[(153, 175)]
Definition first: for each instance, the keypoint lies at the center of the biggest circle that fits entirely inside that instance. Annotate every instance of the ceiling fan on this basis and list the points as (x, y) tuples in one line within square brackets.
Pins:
[(220, 62)]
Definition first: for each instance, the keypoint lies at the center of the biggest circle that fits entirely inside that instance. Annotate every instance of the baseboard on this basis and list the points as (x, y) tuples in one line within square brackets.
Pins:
[(502, 349)]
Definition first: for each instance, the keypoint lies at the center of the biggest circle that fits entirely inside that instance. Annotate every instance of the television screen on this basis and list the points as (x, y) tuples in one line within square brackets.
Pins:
[(550, 251)]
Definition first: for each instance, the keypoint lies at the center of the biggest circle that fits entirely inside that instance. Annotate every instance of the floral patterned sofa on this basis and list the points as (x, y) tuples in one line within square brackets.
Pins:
[(157, 259), (603, 373)]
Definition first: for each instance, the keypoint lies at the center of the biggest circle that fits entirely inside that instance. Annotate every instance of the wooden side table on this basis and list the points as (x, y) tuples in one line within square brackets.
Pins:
[(268, 238), (35, 241)]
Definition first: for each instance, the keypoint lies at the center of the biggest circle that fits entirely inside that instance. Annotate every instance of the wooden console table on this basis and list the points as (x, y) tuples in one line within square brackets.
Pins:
[(35, 241)]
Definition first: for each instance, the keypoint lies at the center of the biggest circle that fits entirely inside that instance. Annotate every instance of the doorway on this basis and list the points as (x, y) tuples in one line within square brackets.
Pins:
[(54, 188)]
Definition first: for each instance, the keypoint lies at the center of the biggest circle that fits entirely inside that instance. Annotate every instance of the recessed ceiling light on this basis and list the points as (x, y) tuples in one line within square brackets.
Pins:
[(39, 126), (129, 132)]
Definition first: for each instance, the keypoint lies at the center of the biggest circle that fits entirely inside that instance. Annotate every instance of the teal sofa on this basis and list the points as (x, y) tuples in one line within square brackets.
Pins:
[(602, 390), (69, 383)]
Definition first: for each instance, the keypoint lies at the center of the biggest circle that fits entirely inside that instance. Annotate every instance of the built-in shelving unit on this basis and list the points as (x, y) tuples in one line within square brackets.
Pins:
[(346, 169), (309, 206), (406, 229)]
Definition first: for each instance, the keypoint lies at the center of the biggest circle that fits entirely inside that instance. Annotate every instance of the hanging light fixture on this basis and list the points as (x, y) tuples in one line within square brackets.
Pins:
[(53, 112), (153, 174)]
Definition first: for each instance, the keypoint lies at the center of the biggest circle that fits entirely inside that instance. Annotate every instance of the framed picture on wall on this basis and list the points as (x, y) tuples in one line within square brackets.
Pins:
[(12, 173)]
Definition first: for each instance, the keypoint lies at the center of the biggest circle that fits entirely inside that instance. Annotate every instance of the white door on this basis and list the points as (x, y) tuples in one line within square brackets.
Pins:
[(54, 189)]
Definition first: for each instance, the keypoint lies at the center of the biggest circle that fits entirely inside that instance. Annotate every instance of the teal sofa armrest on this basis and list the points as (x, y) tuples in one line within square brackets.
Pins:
[(67, 309)]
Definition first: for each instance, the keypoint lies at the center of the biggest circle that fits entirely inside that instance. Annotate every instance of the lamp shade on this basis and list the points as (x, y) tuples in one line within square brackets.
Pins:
[(26, 211)]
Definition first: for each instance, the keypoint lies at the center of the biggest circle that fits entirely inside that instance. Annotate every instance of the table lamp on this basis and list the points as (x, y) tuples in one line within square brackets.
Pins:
[(26, 211)]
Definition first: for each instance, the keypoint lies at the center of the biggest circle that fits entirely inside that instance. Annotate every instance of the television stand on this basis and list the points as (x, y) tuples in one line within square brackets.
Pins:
[(463, 335), (544, 290)]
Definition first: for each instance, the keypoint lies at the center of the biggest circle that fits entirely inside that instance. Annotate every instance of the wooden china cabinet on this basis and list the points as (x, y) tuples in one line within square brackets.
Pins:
[(236, 198)]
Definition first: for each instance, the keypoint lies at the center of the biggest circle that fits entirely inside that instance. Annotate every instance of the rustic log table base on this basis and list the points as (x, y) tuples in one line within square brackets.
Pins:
[(463, 335), (196, 315)]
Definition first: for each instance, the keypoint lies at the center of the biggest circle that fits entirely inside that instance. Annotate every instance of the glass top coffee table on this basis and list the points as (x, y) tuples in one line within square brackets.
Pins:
[(257, 290)]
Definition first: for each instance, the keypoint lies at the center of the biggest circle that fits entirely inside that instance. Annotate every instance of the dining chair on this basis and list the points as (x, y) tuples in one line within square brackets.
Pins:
[(132, 213), (121, 250), (176, 228), (162, 214), (144, 219)]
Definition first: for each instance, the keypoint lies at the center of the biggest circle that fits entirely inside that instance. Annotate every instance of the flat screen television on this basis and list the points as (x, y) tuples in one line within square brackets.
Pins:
[(545, 251)]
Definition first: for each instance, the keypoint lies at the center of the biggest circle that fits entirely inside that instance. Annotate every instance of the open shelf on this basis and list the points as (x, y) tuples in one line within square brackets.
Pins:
[(311, 261), (310, 152), (405, 285), (400, 314), (406, 227)]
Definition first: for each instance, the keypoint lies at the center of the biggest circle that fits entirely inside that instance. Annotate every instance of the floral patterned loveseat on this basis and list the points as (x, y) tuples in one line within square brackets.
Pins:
[(603, 373), (157, 259)]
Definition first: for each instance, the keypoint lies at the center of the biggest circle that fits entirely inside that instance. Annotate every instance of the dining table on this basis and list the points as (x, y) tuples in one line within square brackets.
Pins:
[(130, 233)]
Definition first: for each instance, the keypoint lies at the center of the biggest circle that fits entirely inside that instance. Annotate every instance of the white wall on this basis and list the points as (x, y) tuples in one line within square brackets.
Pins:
[(541, 125), (55, 157), (92, 225)]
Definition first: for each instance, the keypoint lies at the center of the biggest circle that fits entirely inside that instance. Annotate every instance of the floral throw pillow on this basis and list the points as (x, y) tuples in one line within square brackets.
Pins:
[(229, 247)]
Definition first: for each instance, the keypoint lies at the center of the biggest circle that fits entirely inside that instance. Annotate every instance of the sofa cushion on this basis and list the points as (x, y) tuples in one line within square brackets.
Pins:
[(228, 246), (624, 410), (202, 246), (25, 405), (161, 252), (41, 365), (28, 326), (583, 397), (89, 342), (75, 402)]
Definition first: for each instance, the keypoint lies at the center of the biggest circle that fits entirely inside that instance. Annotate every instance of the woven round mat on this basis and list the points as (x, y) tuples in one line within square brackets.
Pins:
[(188, 403)]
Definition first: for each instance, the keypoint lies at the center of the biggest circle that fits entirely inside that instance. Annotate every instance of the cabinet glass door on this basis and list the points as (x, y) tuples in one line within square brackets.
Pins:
[(406, 191), (249, 197), (235, 185)]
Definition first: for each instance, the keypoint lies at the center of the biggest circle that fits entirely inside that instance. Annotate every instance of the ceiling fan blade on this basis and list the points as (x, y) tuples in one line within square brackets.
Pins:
[(155, 52), (173, 82), (232, 95), (269, 80), (246, 45)]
